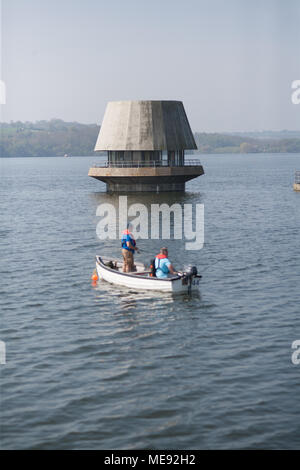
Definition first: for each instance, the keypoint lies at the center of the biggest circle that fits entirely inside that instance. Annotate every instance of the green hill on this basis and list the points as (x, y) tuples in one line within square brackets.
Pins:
[(238, 143), (47, 138), (57, 138)]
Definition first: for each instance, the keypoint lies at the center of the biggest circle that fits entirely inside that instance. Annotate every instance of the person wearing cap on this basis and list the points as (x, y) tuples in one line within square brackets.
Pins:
[(163, 265), (128, 248)]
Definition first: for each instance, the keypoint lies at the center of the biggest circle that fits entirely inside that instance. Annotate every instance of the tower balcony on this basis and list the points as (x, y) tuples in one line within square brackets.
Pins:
[(146, 164), (152, 175)]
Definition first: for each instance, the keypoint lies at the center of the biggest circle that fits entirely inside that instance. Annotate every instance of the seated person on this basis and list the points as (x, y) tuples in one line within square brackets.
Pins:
[(163, 265)]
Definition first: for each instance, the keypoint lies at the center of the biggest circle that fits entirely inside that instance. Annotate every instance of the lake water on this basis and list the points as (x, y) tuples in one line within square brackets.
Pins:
[(97, 367)]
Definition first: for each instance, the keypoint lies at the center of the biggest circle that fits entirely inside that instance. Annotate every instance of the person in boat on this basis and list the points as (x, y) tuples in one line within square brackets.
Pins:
[(128, 248), (163, 265)]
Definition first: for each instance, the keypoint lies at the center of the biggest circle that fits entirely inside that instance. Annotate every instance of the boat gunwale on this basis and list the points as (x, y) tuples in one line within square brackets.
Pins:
[(137, 276)]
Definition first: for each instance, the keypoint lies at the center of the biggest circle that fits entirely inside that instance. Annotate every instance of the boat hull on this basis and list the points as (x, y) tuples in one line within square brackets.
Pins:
[(141, 280)]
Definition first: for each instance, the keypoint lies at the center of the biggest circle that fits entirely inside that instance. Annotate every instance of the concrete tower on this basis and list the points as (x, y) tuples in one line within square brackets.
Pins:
[(145, 142)]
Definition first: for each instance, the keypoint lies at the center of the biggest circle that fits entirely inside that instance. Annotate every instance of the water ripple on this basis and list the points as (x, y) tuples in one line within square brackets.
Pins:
[(92, 366)]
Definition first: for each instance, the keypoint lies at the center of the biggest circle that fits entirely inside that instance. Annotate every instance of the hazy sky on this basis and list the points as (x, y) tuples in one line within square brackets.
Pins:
[(231, 62)]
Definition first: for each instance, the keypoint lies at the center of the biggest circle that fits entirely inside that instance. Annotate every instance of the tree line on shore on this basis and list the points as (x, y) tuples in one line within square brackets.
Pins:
[(57, 138)]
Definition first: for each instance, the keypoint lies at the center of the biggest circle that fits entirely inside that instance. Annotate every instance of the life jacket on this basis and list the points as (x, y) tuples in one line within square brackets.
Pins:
[(152, 268), (124, 240), (160, 256), (152, 264)]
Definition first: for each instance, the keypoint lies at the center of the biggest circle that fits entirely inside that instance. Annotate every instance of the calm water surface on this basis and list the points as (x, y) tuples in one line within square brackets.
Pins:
[(99, 367)]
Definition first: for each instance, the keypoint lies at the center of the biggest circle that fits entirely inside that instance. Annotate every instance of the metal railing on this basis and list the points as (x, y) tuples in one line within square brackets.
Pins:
[(147, 164), (297, 177)]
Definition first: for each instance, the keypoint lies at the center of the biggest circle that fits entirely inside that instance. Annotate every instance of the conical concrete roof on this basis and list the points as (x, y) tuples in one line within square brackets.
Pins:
[(145, 125)]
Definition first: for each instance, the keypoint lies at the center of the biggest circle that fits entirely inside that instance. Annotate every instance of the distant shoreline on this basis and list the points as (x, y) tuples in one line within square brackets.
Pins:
[(57, 138), (274, 154)]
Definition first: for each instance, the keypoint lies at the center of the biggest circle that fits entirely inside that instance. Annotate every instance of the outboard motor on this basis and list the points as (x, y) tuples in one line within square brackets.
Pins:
[(191, 271)]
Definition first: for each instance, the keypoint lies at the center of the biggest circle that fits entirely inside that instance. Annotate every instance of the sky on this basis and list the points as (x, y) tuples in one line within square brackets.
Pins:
[(232, 62)]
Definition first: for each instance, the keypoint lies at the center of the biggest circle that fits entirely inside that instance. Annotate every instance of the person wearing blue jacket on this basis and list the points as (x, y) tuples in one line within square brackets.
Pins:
[(163, 265), (128, 248)]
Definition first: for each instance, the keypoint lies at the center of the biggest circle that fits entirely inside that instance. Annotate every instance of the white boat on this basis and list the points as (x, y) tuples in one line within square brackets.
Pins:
[(111, 271)]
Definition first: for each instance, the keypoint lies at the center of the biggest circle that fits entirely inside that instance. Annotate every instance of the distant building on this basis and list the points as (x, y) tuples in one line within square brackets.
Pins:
[(145, 143)]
